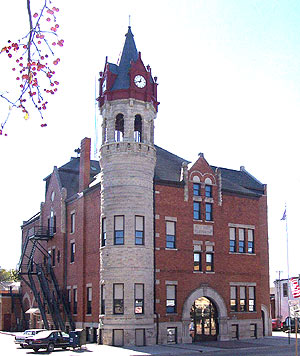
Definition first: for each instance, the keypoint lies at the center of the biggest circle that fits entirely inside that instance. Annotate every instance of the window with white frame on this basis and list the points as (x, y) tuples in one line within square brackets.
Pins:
[(102, 299), (243, 299), (139, 298), (118, 298), (252, 304), (89, 300), (72, 255), (139, 230), (241, 240), (170, 234), (72, 227), (232, 239), (103, 232), (171, 299), (119, 230), (233, 298), (250, 241)]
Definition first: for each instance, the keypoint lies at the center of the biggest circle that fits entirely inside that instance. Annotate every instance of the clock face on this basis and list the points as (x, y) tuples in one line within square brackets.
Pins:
[(139, 81)]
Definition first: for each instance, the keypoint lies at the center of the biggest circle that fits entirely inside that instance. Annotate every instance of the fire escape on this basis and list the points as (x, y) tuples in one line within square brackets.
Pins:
[(35, 269)]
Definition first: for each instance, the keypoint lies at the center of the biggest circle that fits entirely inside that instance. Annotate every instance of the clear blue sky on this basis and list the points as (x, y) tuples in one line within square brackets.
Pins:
[(229, 86)]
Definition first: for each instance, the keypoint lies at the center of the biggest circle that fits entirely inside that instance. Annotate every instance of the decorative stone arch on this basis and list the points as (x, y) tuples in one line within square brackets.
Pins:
[(219, 303), (266, 321)]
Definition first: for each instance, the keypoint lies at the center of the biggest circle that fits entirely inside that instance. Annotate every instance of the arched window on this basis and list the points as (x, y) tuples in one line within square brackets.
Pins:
[(138, 128), (119, 128)]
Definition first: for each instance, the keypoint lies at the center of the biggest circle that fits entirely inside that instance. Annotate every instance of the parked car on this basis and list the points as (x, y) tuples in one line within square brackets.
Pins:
[(49, 340), (290, 322), (276, 324), (20, 339)]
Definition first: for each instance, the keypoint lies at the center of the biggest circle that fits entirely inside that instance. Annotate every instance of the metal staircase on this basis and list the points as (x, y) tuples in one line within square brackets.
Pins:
[(41, 279)]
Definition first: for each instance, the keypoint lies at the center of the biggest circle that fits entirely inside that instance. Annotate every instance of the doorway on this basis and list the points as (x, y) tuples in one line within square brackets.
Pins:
[(204, 320)]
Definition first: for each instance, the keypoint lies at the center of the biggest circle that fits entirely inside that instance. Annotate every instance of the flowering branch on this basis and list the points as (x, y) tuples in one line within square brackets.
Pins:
[(32, 56)]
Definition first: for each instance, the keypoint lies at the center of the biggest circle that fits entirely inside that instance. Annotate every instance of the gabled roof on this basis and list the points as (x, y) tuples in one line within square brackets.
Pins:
[(240, 182), (69, 175), (168, 169), (168, 166)]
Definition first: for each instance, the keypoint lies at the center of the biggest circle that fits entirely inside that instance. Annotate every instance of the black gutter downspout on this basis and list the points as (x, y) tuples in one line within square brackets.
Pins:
[(65, 252), (154, 269)]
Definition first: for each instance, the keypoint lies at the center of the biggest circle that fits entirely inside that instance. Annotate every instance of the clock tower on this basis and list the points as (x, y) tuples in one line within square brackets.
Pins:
[(128, 105)]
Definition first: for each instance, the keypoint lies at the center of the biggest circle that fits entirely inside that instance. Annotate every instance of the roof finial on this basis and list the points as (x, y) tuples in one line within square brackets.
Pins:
[(129, 21)]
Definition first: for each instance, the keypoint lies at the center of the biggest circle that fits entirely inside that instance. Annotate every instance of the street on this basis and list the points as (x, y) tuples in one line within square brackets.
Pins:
[(275, 345)]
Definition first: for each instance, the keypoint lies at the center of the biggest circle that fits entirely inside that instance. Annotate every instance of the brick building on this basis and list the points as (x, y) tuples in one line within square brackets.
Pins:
[(144, 247), (11, 315)]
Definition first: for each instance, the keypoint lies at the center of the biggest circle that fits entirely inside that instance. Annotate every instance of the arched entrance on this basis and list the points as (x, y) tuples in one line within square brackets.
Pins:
[(204, 317), (219, 311)]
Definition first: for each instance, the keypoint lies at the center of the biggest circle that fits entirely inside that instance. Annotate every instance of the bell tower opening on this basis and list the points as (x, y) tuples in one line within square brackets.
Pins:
[(119, 128), (204, 320), (138, 128)]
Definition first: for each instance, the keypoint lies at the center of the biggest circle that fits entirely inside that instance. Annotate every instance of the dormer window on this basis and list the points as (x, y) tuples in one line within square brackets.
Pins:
[(138, 128), (119, 128)]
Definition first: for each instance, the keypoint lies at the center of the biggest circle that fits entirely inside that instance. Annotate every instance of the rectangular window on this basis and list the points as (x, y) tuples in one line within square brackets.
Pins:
[(250, 241), (119, 230), (139, 230), (103, 234), (118, 302), (170, 234), (209, 262), (243, 301), (232, 239), (197, 261), (208, 191), (53, 257), (89, 300), (196, 189), (75, 301), (208, 212), (197, 210), (52, 223), (233, 299), (171, 299), (241, 240), (252, 304), (72, 229), (72, 255), (102, 299), (139, 298)]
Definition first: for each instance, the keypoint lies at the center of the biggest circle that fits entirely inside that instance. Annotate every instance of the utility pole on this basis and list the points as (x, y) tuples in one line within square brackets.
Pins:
[(279, 300)]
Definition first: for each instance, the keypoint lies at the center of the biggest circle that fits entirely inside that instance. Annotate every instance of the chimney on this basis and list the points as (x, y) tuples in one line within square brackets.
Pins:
[(85, 164)]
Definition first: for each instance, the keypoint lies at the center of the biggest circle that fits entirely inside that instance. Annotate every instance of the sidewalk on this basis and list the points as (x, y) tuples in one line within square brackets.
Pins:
[(190, 349), (193, 349)]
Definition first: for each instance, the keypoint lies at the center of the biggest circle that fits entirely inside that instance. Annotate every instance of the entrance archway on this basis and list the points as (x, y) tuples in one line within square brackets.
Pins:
[(204, 316), (220, 307)]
